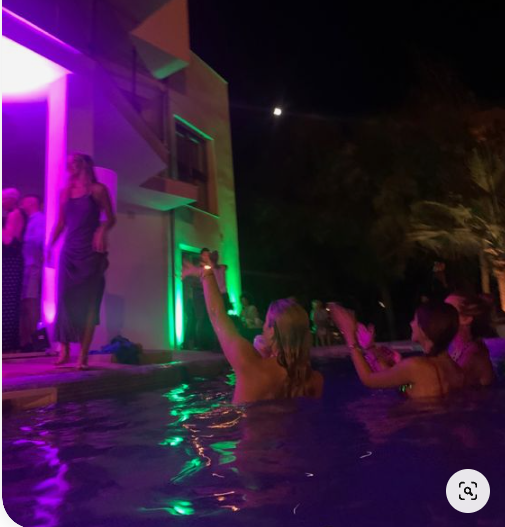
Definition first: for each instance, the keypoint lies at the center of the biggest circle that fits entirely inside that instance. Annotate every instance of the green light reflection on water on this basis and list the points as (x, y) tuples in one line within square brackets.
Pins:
[(172, 441), (176, 394), (232, 379), (175, 508), (190, 467), (222, 448)]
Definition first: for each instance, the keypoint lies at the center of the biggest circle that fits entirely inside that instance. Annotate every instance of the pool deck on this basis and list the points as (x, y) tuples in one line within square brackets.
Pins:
[(29, 382), (36, 381)]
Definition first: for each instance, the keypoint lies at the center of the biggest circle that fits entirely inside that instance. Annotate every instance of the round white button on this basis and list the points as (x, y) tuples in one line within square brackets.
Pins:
[(468, 491)]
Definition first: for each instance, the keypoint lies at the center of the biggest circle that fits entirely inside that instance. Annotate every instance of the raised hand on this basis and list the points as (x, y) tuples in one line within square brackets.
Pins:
[(366, 335), (345, 321), (188, 269)]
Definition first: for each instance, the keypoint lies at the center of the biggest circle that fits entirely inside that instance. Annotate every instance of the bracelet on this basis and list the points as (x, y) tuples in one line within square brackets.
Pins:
[(356, 347), (207, 271)]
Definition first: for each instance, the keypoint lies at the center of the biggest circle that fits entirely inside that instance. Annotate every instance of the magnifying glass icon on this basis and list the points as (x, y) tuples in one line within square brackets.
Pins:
[(468, 491)]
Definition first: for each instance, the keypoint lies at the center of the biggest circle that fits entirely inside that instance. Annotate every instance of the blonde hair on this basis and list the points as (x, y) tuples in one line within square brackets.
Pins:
[(292, 341), (86, 165)]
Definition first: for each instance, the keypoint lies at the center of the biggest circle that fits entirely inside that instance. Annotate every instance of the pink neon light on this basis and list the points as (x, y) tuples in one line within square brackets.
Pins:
[(26, 74), (56, 152), (38, 30)]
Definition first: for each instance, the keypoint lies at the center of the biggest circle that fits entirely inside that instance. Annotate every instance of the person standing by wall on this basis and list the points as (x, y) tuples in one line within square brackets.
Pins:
[(33, 256), (83, 260), (13, 224)]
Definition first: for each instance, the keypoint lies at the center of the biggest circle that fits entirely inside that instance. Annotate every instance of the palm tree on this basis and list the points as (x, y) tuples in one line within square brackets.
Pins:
[(472, 224)]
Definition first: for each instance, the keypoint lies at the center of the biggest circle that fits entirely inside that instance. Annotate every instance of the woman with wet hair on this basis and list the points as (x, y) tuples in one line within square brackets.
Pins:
[(83, 259), (286, 372), (435, 374), (468, 349)]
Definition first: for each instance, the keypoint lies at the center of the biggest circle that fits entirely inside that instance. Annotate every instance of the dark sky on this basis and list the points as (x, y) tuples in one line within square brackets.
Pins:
[(338, 58), (352, 57)]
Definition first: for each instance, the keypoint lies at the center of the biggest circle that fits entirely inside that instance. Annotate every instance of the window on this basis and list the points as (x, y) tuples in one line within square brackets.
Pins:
[(192, 165)]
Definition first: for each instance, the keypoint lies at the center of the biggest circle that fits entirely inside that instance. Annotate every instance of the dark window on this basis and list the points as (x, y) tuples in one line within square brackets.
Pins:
[(192, 164)]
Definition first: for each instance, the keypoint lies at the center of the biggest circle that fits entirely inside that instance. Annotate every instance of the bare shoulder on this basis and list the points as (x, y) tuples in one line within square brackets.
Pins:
[(479, 347), (414, 363), (244, 355)]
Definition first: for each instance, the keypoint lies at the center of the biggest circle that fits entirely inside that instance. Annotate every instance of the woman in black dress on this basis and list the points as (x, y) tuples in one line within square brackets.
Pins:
[(83, 259)]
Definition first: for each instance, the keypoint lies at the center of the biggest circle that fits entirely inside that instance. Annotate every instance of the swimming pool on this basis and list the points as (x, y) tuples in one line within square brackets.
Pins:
[(186, 457)]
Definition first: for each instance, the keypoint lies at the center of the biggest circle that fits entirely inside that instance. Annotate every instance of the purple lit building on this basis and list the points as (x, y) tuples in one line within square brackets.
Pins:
[(117, 79)]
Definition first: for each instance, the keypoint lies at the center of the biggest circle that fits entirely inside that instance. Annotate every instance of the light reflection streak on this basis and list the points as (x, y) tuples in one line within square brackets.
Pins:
[(53, 489)]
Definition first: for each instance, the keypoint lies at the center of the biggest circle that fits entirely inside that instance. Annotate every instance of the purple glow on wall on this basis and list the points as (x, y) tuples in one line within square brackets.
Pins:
[(26, 74), (56, 152)]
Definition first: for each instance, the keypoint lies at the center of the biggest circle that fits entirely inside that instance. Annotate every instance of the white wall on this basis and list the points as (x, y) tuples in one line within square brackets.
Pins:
[(135, 301)]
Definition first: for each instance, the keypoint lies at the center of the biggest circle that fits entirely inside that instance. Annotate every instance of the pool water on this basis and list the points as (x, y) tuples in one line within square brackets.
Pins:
[(186, 457)]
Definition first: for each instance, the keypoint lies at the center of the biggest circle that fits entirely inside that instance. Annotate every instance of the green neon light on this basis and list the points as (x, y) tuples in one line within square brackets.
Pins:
[(193, 127), (179, 292)]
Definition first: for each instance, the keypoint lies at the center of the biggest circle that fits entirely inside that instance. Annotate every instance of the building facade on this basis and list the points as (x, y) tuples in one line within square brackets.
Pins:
[(119, 81)]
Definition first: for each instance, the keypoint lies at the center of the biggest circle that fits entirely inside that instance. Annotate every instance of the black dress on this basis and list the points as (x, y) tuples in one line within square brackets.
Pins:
[(81, 275), (12, 279)]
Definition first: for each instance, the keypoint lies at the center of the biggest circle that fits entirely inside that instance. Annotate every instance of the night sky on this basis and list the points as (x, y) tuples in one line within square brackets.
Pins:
[(353, 59)]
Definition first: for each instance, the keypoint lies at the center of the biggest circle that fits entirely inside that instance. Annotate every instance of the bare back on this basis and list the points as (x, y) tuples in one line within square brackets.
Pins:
[(264, 379), (435, 376), (476, 365)]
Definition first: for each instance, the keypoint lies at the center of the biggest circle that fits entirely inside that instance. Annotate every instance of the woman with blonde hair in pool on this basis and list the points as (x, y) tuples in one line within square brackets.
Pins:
[(287, 373)]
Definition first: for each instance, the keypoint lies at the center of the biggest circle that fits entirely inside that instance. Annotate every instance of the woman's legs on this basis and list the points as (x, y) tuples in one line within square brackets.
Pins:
[(87, 338), (64, 354)]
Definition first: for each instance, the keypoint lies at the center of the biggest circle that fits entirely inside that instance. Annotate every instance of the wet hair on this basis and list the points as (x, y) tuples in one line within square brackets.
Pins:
[(440, 323), (86, 165), (478, 307), (292, 339)]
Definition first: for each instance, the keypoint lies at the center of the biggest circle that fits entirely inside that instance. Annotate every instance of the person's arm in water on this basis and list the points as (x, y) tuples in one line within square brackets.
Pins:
[(401, 373), (102, 196), (238, 351)]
